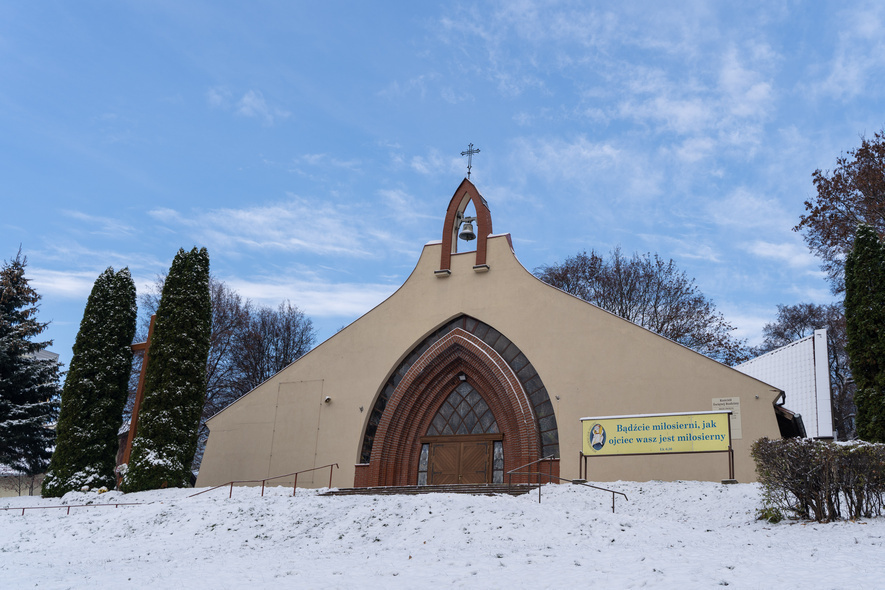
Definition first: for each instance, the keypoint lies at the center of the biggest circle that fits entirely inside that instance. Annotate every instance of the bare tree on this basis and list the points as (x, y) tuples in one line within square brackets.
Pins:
[(853, 193), (22, 483), (230, 316), (649, 291), (271, 340), (794, 322), (248, 345)]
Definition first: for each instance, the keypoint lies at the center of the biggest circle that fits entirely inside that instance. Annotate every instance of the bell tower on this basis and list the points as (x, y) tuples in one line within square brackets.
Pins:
[(455, 221)]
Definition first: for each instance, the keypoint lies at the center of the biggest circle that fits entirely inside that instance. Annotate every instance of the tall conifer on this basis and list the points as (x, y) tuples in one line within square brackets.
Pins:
[(96, 389), (28, 385), (865, 318), (175, 381)]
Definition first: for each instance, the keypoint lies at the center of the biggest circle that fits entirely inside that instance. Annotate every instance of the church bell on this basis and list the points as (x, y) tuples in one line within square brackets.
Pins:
[(467, 232)]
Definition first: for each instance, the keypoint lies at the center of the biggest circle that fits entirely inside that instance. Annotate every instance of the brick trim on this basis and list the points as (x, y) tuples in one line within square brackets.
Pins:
[(532, 383), (466, 192), (423, 389)]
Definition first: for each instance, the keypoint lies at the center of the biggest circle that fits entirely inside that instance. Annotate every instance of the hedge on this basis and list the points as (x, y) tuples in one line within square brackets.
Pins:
[(822, 481)]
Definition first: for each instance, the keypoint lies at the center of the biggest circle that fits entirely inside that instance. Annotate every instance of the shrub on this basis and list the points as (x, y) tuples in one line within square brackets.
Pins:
[(817, 480)]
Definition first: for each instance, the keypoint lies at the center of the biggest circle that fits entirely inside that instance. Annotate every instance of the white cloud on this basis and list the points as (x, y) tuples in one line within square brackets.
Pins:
[(166, 215), (316, 298), (434, 163), (694, 149), (745, 93), (745, 209), (693, 248), (416, 85), (318, 160), (218, 97), (713, 106), (748, 322), (67, 284), (252, 104), (793, 255), (289, 226), (71, 254), (859, 57), (590, 164), (679, 115), (106, 226), (405, 208)]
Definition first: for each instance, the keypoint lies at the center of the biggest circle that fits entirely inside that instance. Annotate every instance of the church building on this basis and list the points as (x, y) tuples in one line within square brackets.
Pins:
[(475, 367)]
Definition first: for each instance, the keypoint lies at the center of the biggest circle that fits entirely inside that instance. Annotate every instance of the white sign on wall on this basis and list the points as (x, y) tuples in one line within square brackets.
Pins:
[(732, 404)]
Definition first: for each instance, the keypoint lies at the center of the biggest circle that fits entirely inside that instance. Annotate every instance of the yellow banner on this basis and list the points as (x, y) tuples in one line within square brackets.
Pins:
[(659, 433)]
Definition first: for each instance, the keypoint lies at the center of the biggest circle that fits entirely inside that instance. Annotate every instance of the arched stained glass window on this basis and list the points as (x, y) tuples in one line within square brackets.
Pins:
[(463, 412)]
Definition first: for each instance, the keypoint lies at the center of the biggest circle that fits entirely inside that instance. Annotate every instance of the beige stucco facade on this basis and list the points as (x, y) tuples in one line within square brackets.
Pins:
[(593, 363)]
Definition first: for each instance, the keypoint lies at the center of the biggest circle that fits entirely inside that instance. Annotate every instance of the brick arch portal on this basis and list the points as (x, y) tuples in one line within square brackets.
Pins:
[(426, 378)]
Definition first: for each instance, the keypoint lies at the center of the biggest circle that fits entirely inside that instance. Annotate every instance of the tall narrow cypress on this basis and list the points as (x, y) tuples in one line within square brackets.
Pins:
[(865, 323), (175, 380), (96, 388)]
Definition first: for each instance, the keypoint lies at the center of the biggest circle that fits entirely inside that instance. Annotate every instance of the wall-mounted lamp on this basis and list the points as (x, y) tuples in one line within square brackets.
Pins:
[(328, 400)]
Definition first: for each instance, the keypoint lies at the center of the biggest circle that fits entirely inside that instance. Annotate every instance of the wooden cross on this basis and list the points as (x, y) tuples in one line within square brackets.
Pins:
[(143, 347), (469, 153)]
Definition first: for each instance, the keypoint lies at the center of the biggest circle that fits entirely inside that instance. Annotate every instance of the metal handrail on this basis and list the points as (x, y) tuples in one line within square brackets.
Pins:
[(267, 479), (69, 506), (612, 492), (510, 473), (547, 458), (550, 475)]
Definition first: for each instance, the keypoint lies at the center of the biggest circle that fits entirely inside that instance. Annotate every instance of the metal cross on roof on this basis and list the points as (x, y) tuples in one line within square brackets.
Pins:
[(469, 153)]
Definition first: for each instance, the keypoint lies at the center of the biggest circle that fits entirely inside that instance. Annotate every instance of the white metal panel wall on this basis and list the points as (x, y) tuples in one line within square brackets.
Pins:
[(822, 379), (801, 370)]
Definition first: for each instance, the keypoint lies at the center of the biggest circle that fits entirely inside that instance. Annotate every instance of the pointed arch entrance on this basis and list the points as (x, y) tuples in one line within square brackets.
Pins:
[(504, 415), (463, 443)]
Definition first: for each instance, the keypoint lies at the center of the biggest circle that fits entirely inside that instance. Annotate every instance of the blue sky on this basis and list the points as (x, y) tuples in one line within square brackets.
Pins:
[(312, 147)]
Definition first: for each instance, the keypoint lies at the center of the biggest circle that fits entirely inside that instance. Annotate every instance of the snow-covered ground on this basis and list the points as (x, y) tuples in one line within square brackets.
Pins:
[(668, 535)]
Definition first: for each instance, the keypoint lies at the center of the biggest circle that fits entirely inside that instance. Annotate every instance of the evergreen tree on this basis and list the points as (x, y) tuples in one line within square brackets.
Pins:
[(28, 385), (175, 381), (95, 389), (865, 317)]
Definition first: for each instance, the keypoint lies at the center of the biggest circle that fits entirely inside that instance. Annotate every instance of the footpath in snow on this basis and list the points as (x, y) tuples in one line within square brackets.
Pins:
[(668, 535)]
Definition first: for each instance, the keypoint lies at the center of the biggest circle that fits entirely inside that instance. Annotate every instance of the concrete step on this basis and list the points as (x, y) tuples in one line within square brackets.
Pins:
[(490, 489)]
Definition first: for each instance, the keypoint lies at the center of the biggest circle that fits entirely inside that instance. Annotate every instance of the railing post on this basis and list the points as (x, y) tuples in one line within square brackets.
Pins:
[(295, 486), (330, 475), (262, 487), (730, 460), (231, 495)]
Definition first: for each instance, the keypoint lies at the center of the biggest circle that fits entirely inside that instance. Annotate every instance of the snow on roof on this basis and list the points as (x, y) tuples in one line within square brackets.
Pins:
[(46, 355), (7, 470)]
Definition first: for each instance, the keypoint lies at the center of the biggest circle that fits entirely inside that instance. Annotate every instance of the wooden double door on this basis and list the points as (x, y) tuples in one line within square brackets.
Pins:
[(461, 460)]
